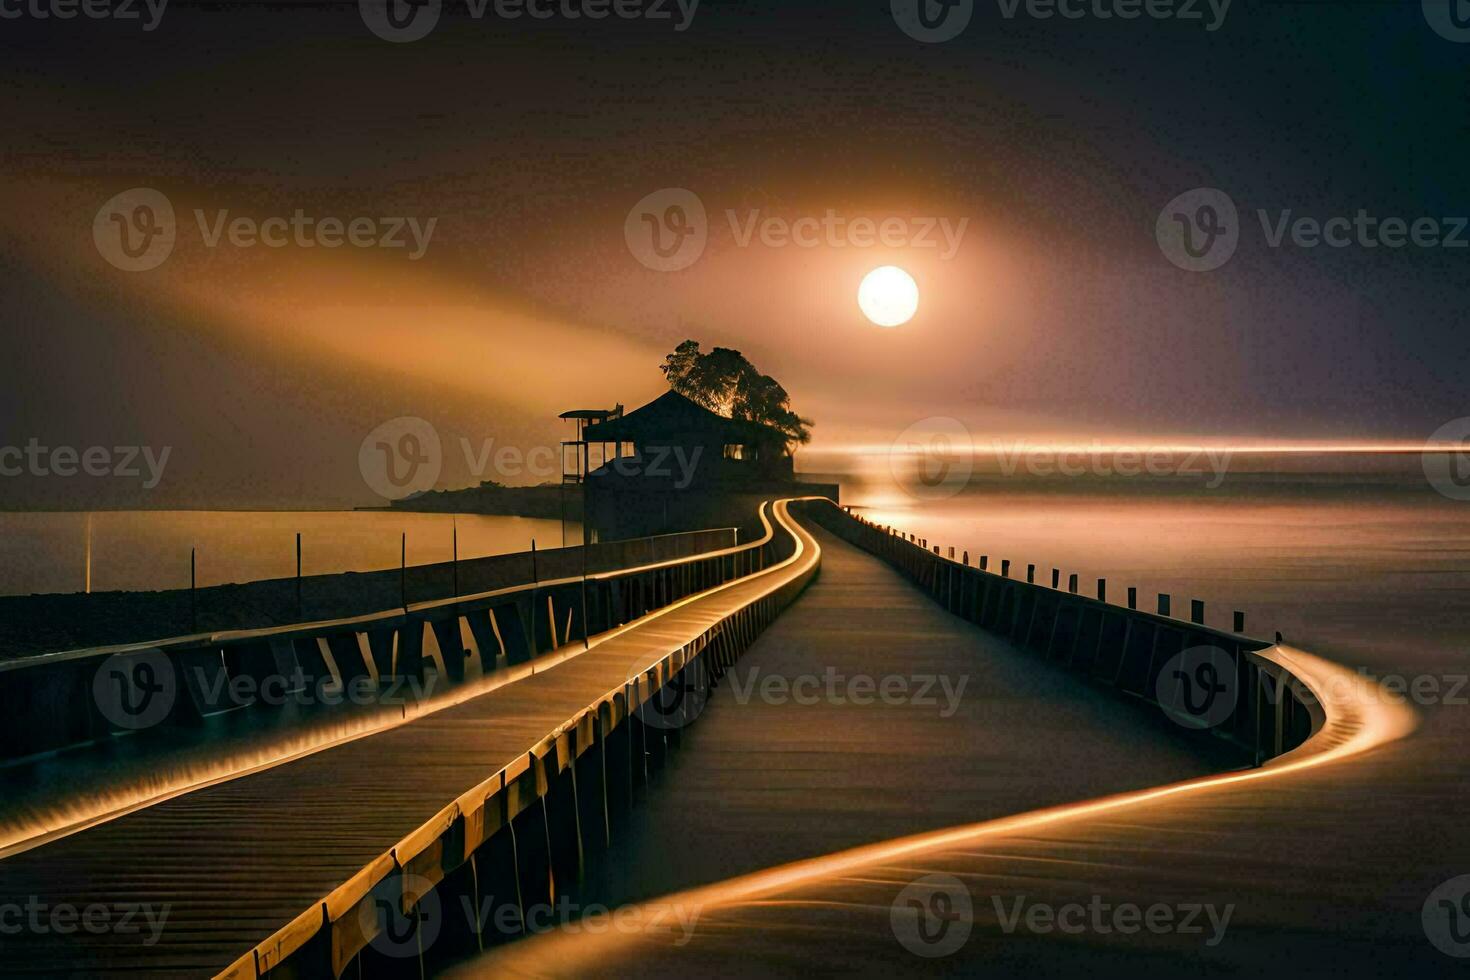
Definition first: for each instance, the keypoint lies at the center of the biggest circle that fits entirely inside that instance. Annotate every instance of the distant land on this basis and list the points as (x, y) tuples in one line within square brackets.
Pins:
[(544, 501)]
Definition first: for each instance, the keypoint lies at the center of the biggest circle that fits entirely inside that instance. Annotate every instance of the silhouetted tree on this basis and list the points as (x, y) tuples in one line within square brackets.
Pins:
[(723, 381)]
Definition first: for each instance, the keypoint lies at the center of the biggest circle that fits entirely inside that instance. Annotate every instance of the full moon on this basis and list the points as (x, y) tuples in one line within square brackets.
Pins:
[(888, 296)]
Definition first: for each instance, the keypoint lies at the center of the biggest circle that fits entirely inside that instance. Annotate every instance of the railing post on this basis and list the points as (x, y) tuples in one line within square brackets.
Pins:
[(193, 598)]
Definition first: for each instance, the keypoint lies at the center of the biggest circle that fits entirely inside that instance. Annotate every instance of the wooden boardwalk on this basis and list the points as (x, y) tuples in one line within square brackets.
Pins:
[(1306, 852), (267, 867), (983, 730)]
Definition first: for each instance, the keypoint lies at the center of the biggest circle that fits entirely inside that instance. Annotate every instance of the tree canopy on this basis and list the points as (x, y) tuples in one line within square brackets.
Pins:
[(723, 381)]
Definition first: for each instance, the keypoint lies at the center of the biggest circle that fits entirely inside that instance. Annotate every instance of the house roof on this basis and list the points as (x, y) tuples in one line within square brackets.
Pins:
[(591, 413), (672, 414)]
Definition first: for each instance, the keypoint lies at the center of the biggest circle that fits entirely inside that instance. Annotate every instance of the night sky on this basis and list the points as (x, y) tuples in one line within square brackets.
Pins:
[(1056, 141)]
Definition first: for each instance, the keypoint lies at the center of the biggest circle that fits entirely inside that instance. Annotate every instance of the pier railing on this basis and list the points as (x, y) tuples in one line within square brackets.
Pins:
[(1205, 679), (517, 839), (57, 700)]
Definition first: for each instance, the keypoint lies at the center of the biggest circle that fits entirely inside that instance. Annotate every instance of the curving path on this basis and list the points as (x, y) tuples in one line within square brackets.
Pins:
[(1284, 856), (239, 861)]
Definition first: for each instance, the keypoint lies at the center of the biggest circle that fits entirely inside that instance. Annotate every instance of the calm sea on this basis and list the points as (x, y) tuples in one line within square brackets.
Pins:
[(1362, 561), (133, 550), (1373, 571)]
